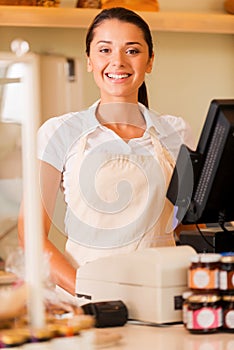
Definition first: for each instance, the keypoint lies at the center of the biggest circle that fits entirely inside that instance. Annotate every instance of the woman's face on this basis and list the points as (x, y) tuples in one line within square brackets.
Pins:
[(119, 59)]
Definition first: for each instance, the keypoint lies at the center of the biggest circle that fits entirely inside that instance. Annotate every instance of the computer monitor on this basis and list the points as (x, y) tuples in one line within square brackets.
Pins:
[(202, 184)]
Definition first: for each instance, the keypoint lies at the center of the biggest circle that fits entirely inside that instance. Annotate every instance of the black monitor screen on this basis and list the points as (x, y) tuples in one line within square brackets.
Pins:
[(202, 184)]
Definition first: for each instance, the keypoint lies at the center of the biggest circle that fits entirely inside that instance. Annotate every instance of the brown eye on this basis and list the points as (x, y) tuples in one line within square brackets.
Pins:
[(132, 51), (105, 50)]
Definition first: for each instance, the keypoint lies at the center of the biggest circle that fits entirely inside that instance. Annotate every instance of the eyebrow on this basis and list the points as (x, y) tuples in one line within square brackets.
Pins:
[(127, 43)]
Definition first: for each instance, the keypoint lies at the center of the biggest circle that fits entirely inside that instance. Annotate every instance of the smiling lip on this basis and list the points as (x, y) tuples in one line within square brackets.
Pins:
[(117, 76)]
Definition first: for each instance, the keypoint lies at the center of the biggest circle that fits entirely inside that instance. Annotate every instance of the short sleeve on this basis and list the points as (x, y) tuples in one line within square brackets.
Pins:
[(51, 143), (183, 129), (176, 131)]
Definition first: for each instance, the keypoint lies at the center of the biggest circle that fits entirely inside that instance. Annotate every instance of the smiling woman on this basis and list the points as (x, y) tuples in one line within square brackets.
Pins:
[(119, 65), (142, 37), (114, 160)]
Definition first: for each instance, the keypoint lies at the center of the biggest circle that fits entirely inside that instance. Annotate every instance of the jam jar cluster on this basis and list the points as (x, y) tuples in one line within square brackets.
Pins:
[(209, 303)]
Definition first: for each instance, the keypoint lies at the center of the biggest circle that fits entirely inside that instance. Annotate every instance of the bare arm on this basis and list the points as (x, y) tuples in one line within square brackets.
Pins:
[(62, 272)]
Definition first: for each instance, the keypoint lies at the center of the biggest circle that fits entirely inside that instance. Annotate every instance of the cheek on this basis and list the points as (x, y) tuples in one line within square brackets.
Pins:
[(97, 75), (142, 69), (96, 66), (97, 70)]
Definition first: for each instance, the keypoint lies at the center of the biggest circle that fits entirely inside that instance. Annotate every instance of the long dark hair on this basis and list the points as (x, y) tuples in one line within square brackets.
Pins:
[(128, 16)]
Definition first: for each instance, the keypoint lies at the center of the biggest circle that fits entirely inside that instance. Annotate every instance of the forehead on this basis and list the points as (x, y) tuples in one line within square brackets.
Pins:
[(112, 29)]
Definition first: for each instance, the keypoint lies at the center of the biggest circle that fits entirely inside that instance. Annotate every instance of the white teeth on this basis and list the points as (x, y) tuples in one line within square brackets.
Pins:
[(117, 76)]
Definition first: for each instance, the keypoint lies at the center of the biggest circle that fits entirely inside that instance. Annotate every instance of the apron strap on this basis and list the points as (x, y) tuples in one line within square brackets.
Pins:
[(159, 146)]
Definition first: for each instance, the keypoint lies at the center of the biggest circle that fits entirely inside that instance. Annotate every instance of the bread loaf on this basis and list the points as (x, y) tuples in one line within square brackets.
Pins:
[(135, 5), (229, 6)]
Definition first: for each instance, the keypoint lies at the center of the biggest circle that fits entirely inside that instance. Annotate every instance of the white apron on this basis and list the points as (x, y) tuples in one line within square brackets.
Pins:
[(118, 203)]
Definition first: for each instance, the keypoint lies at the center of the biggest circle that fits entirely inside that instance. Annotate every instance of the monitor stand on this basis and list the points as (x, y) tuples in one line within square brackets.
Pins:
[(212, 240)]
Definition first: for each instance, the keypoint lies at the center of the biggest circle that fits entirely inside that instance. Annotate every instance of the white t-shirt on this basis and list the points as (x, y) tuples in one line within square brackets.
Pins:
[(58, 136)]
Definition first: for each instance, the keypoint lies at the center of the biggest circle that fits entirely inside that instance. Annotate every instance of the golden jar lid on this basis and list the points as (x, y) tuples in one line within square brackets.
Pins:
[(204, 298), (228, 259), (229, 298)]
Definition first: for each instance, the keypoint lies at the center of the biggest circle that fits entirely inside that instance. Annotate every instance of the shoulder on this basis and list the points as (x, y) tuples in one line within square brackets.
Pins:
[(171, 127), (175, 124), (58, 134), (168, 123), (172, 131), (78, 120), (69, 125), (179, 126)]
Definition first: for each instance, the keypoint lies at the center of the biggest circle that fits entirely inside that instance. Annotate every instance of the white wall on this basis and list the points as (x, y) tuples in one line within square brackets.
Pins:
[(190, 70)]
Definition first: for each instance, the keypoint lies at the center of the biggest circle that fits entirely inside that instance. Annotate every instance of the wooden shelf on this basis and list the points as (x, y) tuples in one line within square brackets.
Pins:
[(29, 16), (4, 81)]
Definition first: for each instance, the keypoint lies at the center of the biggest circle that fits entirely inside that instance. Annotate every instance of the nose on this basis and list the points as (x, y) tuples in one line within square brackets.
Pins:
[(118, 58)]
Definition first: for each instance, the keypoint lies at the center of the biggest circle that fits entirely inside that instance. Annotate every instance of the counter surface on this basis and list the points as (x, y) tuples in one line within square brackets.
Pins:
[(140, 337)]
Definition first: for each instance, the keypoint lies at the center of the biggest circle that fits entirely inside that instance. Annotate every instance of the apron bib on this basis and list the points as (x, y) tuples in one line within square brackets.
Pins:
[(117, 203)]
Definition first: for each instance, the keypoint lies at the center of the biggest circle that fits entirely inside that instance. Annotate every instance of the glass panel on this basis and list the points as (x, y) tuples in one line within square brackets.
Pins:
[(12, 110), (12, 91)]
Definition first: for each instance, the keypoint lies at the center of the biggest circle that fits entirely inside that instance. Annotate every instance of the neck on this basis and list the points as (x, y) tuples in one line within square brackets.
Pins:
[(125, 119), (120, 113)]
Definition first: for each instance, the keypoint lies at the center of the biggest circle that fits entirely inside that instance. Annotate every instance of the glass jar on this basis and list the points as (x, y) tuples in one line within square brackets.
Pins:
[(228, 313), (185, 297), (203, 274), (204, 313), (226, 275)]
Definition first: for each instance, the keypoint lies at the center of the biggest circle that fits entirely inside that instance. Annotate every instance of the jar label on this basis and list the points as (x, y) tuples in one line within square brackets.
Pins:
[(223, 281), (203, 278), (185, 310), (229, 319), (204, 318), (226, 280), (231, 275)]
